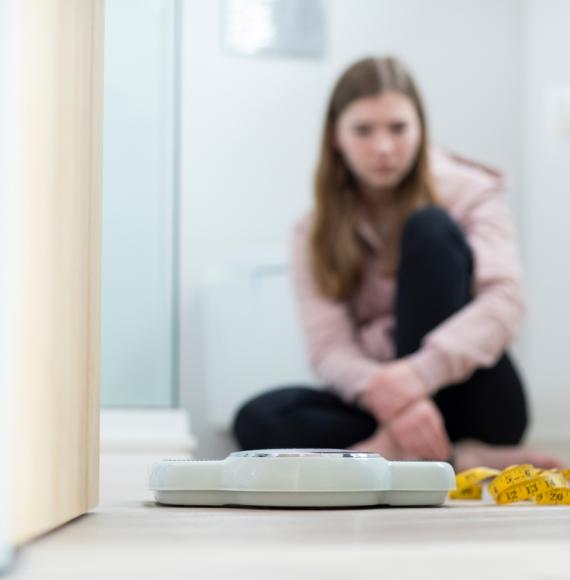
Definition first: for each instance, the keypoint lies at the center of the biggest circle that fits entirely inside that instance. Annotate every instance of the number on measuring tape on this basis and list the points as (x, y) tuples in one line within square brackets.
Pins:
[(515, 484)]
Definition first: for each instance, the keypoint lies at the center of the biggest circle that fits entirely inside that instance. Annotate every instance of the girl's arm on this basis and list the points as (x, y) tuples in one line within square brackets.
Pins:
[(334, 353)]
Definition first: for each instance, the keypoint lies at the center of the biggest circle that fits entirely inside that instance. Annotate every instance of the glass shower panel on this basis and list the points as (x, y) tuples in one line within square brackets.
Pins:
[(139, 266)]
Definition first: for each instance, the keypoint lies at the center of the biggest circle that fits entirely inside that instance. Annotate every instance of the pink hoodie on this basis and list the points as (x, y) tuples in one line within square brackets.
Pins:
[(348, 342)]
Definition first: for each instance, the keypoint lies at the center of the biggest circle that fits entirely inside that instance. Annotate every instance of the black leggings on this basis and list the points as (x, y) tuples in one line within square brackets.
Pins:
[(434, 281)]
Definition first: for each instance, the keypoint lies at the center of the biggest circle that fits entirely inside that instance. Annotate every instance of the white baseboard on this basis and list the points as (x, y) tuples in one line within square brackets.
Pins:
[(146, 431)]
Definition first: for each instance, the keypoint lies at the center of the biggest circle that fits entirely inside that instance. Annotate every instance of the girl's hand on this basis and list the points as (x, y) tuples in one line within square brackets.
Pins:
[(393, 388), (419, 430)]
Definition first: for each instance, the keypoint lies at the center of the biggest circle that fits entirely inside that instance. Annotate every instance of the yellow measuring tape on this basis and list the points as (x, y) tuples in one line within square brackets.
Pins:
[(514, 484)]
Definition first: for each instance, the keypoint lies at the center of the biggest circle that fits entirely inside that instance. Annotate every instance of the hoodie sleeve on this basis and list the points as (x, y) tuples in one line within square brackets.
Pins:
[(333, 350)]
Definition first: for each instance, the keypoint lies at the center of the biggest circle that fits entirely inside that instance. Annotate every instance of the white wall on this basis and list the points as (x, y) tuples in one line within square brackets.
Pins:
[(139, 318), (250, 127), (546, 213)]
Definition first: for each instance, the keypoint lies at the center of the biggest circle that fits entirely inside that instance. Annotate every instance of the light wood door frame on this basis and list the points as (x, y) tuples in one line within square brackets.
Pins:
[(54, 196)]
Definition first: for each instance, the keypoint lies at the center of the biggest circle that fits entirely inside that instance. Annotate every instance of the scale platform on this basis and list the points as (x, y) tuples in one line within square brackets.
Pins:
[(301, 478)]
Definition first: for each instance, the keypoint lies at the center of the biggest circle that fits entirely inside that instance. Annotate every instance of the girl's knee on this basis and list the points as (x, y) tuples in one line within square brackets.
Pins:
[(432, 231)]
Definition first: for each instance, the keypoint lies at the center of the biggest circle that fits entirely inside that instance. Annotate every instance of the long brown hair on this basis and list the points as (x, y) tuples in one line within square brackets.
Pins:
[(337, 253)]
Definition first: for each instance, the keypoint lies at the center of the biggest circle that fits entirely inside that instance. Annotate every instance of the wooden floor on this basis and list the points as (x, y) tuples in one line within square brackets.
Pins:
[(129, 536)]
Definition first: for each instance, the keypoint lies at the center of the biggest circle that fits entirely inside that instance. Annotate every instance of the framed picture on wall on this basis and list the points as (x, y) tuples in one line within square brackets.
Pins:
[(274, 28)]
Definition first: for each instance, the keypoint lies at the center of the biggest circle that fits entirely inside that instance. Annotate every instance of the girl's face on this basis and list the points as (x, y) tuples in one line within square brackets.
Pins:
[(379, 138)]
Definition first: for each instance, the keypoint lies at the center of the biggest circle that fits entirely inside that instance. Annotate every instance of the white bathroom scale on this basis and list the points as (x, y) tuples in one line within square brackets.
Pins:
[(301, 478)]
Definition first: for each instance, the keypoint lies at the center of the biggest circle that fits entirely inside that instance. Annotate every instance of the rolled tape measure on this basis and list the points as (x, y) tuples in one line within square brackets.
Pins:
[(514, 484)]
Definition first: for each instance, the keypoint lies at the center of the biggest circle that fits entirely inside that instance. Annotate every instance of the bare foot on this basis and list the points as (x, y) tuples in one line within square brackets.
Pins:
[(381, 442), (471, 453)]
